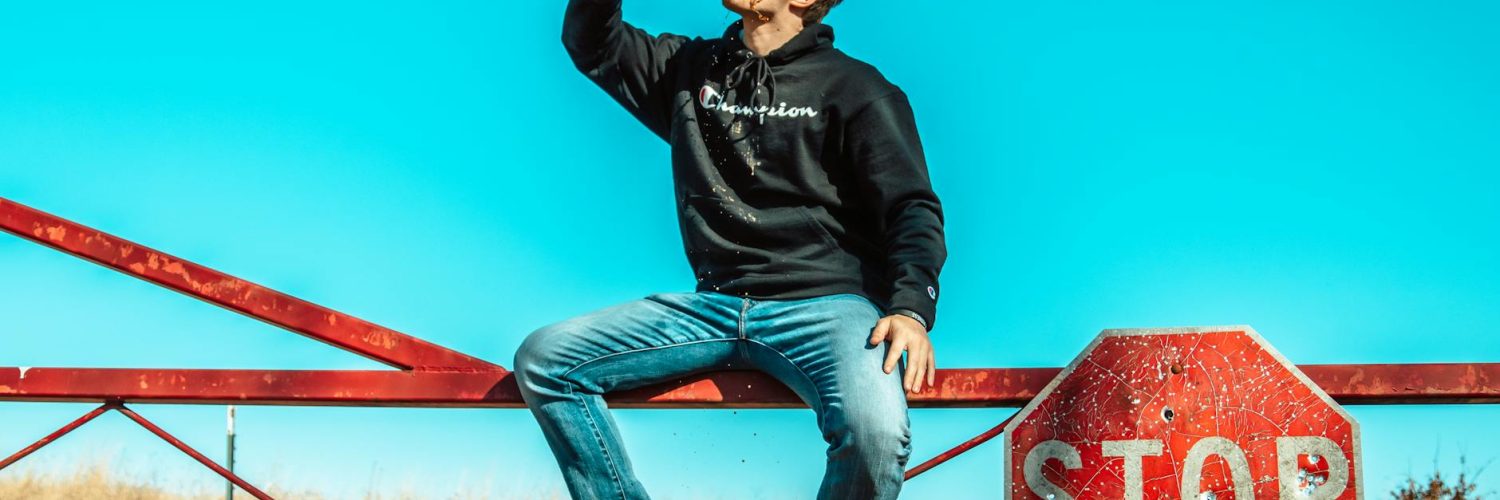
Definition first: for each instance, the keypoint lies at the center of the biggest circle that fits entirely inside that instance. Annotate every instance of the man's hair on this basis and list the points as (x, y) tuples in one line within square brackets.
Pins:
[(818, 9)]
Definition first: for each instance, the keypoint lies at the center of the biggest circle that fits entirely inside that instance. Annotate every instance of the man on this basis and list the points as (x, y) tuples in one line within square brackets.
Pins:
[(808, 218)]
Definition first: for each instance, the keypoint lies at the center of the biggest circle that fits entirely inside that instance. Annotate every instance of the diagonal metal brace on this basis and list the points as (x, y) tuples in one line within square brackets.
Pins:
[(319, 323), (119, 406)]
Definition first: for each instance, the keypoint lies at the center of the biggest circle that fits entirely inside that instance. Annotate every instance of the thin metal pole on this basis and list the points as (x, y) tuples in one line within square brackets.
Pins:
[(958, 450), (229, 485), (253, 491)]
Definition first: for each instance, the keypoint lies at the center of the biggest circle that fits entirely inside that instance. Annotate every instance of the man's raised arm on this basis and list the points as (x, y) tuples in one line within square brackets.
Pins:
[(625, 61)]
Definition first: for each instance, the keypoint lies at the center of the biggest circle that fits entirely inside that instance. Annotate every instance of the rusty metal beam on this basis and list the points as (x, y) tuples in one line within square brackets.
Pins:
[(1472, 383), (969, 388), (1408, 383), (340, 330)]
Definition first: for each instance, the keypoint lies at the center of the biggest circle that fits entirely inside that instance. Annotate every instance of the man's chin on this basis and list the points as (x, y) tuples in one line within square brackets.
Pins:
[(738, 7)]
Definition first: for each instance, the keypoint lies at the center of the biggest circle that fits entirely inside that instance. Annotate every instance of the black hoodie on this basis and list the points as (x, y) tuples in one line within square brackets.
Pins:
[(797, 174)]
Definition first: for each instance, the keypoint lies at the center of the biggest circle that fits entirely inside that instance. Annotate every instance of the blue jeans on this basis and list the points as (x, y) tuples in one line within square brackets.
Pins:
[(819, 347)]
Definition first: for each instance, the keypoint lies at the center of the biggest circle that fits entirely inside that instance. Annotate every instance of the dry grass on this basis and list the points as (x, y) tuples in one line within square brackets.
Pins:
[(100, 480), (90, 481), (1436, 487)]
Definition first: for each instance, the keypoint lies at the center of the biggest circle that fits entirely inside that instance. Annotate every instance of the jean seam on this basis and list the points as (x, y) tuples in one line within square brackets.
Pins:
[(588, 413), (632, 351), (614, 473), (743, 310), (805, 376)]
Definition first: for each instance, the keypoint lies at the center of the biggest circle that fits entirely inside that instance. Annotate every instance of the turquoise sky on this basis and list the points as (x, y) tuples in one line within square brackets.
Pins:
[(1322, 171)]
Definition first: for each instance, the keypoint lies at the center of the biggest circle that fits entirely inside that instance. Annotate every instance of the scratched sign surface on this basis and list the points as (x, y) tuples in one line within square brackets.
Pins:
[(1191, 413)]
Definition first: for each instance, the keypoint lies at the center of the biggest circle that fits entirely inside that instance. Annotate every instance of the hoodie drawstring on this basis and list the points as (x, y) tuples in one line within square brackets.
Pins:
[(763, 77)]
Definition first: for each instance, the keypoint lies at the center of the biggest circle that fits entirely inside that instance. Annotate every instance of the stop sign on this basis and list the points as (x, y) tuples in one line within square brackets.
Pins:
[(1190, 413)]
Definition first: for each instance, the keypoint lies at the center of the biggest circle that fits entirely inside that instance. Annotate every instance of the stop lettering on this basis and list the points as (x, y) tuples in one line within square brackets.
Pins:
[(1190, 413)]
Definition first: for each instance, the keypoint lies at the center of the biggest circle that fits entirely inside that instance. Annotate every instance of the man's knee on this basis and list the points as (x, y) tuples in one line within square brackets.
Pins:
[(541, 355), (874, 439)]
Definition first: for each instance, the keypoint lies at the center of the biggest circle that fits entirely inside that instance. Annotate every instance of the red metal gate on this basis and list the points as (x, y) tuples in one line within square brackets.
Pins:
[(429, 375)]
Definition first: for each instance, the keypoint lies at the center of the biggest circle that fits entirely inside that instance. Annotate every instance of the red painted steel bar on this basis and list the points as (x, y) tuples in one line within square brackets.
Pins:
[(48, 439), (958, 450), (314, 321), (1472, 383), (183, 447), (1408, 383)]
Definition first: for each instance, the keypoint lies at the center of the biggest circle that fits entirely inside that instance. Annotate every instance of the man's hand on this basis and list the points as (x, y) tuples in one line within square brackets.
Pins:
[(906, 334)]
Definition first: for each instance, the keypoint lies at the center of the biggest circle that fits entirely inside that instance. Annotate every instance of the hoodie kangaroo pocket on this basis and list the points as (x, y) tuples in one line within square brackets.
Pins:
[(816, 226)]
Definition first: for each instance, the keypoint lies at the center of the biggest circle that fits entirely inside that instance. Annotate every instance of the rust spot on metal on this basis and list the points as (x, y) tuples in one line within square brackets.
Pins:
[(1357, 378), (381, 337)]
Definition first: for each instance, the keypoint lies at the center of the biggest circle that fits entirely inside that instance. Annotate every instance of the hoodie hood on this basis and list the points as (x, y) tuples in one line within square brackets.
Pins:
[(812, 37)]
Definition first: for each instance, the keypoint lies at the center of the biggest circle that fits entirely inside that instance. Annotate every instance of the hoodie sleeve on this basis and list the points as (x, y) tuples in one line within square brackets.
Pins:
[(881, 139), (625, 61)]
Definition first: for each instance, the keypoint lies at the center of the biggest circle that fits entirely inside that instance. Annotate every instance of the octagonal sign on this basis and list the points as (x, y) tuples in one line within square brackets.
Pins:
[(1190, 413)]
